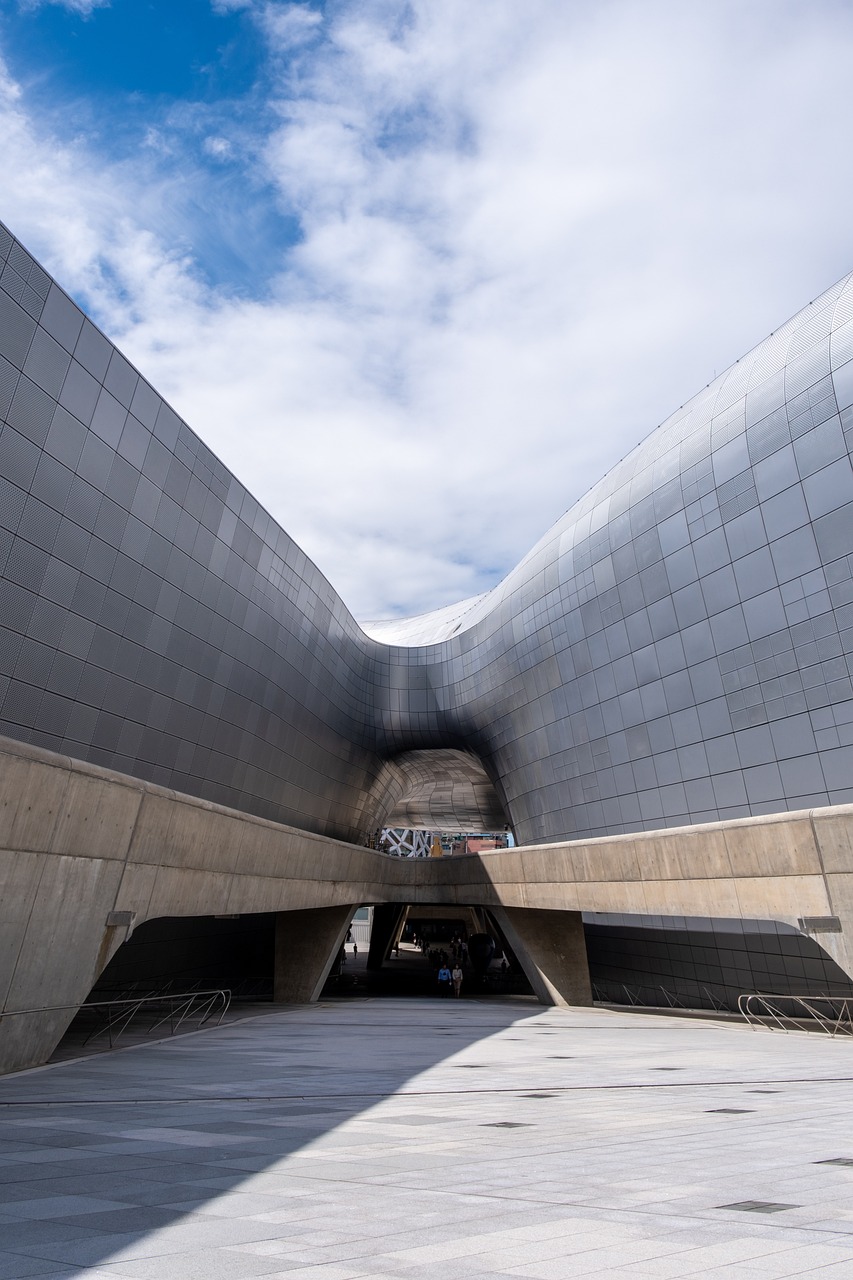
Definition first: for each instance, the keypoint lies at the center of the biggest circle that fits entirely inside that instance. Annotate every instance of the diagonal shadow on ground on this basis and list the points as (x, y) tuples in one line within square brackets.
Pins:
[(99, 1155)]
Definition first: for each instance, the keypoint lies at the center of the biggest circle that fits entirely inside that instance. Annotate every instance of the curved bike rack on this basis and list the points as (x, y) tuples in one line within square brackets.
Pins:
[(832, 1015), (180, 1007)]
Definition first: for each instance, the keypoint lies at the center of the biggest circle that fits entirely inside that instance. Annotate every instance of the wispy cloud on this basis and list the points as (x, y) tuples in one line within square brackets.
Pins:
[(524, 236), (217, 147), (289, 26), (83, 7)]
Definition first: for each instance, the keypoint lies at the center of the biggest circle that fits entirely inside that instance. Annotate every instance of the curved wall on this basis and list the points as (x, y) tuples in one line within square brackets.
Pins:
[(675, 650), (153, 618), (679, 647)]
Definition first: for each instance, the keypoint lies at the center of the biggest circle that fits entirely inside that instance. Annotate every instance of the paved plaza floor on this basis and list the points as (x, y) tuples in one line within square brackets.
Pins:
[(435, 1140)]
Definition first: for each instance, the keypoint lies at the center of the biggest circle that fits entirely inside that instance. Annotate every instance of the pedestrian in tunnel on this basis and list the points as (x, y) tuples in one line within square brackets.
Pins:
[(444, 980), (457, 976)]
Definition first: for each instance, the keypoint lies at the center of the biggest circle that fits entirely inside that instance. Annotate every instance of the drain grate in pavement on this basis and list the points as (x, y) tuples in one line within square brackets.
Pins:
[(730, 1111), (539, 1095), (561, 1057), (667, 1068), (758, 1206), (505, 1124), (764, 1090), (845, 1161)]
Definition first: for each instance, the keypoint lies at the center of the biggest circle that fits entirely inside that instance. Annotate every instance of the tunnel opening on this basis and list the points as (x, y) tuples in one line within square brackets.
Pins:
[(397, 951), (441, 790), (186, 952), (171, 957), (141, 992), (434, 802), (410, 945)]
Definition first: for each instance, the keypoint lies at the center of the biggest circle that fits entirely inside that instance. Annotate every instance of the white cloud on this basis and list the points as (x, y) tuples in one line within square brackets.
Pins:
[(217, 148), (83, 7), (286, 25), (289, 25), (528, 233)]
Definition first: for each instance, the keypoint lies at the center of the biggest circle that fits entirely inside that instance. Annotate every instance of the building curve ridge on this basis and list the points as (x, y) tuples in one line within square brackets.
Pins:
[(424, 628), (763, 359)]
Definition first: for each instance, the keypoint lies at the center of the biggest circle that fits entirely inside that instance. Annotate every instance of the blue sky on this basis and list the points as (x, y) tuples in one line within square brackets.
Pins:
[(151, 82), (419, 271), (177, 50)]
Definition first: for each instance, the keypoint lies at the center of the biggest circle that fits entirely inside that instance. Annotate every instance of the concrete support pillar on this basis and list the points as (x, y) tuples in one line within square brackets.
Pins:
[(306, 943), (64, 942), (386, 921), (551, 950), (398, 932), (479, 922)]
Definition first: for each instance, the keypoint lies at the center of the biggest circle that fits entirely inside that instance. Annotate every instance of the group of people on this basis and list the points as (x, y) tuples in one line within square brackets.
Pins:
[(450, 978), (448, 967)]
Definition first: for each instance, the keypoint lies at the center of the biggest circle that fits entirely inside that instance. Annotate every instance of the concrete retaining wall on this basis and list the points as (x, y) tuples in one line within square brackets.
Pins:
[(86, 855)]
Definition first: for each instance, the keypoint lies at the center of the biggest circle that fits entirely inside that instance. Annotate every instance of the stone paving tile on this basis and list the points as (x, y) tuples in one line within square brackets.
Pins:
[(838, 1225), (201, 1264), (30, 1234), (802, 1259), (55, 1207), (837, 1271), (15, 1267), (732, 1271), (463, 1270)]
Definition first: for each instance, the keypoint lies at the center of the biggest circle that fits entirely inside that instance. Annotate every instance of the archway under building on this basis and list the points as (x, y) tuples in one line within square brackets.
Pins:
[(240, 954), (650, 962), (441, 789)]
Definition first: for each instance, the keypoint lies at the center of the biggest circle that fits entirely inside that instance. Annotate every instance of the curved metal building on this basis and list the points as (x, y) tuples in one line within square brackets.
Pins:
[(677, 649)]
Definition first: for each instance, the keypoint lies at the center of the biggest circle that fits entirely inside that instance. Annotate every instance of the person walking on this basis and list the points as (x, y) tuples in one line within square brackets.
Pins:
[(445, 978), (457, 976)]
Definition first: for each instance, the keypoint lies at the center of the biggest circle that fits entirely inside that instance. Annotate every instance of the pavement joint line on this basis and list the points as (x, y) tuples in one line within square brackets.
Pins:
[(655, 1209), (650, 1086)]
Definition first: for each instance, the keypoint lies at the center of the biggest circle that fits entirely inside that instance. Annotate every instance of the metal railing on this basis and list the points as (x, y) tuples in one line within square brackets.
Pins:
[(649, 997), (832, 1015), (113, 1017)]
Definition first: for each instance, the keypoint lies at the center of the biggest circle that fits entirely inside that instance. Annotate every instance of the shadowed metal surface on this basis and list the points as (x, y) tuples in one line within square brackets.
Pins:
[(443, 791)]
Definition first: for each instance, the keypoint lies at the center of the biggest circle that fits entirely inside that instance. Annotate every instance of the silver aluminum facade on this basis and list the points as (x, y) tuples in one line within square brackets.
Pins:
[(677, 649)]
